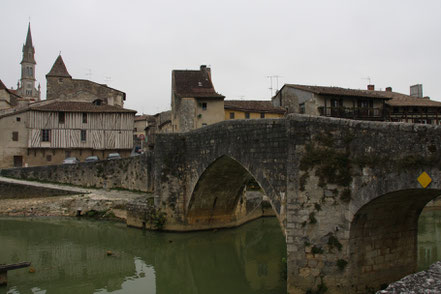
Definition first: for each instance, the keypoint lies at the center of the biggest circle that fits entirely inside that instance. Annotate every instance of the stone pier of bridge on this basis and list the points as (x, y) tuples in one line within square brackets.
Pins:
[(347, 193)]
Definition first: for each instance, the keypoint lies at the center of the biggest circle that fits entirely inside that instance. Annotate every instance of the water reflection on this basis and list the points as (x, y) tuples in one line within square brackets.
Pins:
[(70, 257), (429, 238)]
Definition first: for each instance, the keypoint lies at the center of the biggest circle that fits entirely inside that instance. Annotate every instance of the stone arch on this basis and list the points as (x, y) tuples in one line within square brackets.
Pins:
[(218, 198), (383, 237)]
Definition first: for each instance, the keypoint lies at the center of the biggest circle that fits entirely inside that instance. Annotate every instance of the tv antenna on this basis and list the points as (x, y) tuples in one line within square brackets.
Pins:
[(276, 77), (89, 74)]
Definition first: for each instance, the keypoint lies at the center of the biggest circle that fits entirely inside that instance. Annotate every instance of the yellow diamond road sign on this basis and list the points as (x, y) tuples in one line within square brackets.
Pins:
[(424, 180)]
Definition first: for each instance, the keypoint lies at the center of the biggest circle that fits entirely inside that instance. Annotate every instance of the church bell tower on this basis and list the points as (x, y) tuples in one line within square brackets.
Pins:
[(26, 88)]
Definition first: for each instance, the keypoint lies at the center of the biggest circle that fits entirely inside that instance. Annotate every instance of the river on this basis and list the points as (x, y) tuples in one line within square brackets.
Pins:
[(70, 256)]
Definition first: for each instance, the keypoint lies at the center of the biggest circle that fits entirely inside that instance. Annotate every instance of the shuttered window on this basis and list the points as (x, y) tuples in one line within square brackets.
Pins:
[(83, 135)]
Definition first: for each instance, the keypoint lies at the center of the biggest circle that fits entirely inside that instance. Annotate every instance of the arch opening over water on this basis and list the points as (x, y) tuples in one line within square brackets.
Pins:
[(226, 195), (383, 237)]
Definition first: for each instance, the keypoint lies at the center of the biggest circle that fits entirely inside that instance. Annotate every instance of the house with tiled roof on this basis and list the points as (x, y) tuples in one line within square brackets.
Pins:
[(8, 97), (413, 108), (47, 132), (251, 109), (358, 104), (195, 103), (61, 85), (332, 101)]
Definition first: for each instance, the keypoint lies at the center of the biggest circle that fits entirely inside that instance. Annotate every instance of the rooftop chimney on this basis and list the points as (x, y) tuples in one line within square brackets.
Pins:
[(371, 87), (206, 70), (389, 89), (416, 90)]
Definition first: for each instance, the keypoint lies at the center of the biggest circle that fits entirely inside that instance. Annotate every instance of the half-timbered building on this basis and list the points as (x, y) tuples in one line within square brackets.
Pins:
[(49, 131)]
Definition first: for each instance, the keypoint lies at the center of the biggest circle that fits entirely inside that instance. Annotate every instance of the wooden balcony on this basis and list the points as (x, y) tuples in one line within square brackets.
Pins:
[(367, 113)]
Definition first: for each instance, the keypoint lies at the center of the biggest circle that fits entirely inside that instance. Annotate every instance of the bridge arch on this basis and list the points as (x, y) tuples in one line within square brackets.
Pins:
[(383, 237), (226, 194)]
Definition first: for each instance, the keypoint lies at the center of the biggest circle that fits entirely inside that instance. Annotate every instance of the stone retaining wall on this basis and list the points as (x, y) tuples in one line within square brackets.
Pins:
[(132, 173)]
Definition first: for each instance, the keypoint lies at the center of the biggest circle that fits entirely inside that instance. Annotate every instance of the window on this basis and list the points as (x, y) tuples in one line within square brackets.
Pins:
[(48, 157), (14, 136), (28, 92), (231, 115), (83, 135), (84, 118), (247, 115), (45, 135), (61, 117), (18, 119), (262, 115), (302, 108), (204, 106)]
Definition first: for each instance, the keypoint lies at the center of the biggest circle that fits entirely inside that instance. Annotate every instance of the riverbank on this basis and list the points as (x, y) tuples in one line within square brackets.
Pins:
[(428, 281), (46, 199)]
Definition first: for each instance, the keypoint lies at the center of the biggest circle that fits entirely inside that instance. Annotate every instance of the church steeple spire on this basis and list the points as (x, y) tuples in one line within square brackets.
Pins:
[(27, 88), (28, 48)]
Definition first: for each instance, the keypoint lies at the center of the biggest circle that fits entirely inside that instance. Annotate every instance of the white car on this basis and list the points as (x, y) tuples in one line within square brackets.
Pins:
[(113, 156), (70, 160)]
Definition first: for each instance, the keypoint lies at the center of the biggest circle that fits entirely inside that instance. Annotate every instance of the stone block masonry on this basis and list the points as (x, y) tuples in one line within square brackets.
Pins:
[(132, 173)]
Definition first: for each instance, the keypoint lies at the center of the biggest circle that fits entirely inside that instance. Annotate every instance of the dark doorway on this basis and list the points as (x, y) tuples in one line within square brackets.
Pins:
[(18, 161)]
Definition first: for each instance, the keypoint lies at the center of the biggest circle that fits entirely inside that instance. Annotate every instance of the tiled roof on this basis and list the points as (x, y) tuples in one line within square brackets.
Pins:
[(393, 98), (399, 99), (252, 106), (10, 91), (338, 91), (78, 107), (2, 86), (59, 69), (194, 83)]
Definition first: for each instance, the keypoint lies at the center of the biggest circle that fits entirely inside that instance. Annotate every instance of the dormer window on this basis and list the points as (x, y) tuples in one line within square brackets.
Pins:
[(98, 102)]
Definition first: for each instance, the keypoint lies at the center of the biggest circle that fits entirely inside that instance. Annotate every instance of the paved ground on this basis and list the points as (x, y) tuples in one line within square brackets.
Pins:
[(84, 200)]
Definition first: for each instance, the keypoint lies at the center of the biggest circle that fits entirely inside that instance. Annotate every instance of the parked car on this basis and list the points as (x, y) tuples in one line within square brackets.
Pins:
[(113, 156), (92, 158), (70, 160)]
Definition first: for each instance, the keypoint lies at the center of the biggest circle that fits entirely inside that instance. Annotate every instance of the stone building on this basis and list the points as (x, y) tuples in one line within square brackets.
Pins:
[(8, 97), (160, 123), (61, 85), (46, 132), (248, 109), (26, 87), (332, 101), (367, 104), (194, 103)]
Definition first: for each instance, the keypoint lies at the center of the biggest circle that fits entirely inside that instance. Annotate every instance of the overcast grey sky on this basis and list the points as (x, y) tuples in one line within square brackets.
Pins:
[(134, 45)]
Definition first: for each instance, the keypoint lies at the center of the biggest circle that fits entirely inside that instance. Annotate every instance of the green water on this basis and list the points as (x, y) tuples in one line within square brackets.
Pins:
[(429, 238), (69, 256)]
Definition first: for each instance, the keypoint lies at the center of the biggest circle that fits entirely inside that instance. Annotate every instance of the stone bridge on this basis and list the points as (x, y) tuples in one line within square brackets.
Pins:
[(345, 192)]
